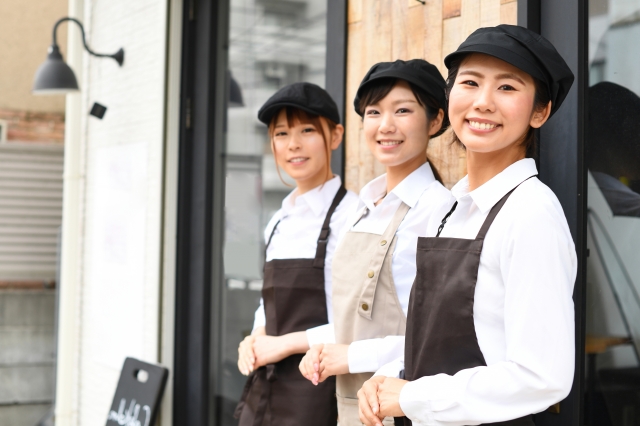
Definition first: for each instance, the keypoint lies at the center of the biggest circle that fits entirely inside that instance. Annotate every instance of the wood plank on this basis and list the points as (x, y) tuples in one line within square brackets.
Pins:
[(354, 11), (489, 13), (451, 8), (415, 33), (509, 13), (400, 40), (355, 59), (508, 1), (470, 17), (432, 14), (451, 35)]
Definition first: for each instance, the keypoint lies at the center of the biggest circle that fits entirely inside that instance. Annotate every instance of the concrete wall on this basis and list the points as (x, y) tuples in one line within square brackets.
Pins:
[(110, 302), (386, 30), (26, 35)]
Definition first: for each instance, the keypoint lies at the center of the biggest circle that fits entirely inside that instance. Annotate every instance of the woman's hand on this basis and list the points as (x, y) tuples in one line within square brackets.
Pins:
[(389, 397), (368, 405), (271, 349), (334, 361), (246, 356), (310, 364)]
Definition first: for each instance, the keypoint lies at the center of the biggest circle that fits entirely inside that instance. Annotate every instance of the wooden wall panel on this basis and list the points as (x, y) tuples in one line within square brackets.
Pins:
[(386, 30)]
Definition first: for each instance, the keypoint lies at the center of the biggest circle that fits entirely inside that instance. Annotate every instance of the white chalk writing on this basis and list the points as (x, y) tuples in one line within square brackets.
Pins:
[(130, 417)]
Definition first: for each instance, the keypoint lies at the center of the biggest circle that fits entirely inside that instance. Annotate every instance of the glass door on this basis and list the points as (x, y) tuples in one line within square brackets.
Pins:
[(613, 218), (272, 43)]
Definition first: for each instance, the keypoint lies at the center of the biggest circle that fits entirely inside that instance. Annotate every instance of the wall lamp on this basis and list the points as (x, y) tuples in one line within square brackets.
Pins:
[(56, 77)]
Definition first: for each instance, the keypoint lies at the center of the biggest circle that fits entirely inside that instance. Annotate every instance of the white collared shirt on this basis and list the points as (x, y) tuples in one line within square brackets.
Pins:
[(296, 237), (523, 310), (428, 200)]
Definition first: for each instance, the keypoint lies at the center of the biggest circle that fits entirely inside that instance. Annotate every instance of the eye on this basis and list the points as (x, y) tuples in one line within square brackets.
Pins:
[(281, 133), (403, 111), (371, 112), (469, 83), (308, 130), (506, 87)]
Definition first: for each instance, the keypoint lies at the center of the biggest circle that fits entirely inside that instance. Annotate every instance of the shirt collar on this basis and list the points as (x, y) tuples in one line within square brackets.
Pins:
[(488, 194), (318, 199), (408, 191)]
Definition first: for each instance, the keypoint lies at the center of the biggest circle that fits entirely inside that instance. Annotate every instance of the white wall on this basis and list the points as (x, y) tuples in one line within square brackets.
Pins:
[(117, 295)]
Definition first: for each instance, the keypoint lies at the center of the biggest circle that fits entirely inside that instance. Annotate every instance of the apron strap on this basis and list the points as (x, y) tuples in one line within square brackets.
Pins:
[(365, 304), (323, 239), (495, 210)]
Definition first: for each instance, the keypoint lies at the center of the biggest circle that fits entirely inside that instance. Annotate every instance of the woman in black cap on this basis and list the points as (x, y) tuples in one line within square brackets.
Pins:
[(402, 104), (301, 238), (490, 329)]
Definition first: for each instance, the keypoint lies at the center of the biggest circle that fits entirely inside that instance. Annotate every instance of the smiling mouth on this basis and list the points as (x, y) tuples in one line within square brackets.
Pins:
[(481, 126), (298, 160), (390, 143)]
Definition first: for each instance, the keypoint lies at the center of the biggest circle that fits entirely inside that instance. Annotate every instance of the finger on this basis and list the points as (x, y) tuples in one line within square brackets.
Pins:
[(367, 416)]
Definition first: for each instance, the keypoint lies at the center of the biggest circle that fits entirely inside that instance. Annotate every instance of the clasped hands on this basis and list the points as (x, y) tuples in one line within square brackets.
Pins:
[(379, 397), (258, 349), (323, 361)]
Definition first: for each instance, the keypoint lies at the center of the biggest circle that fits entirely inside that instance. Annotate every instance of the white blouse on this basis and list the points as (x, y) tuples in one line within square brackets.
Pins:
[(296, 237), (428, 200), (523, 311)]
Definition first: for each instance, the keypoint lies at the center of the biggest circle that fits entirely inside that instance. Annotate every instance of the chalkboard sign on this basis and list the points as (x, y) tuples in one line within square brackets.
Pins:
[(138, 394)]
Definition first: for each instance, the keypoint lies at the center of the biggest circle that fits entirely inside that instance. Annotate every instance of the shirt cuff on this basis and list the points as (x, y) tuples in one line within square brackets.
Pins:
[(362, 356), (391, 369), (422, 399), (321, 334)]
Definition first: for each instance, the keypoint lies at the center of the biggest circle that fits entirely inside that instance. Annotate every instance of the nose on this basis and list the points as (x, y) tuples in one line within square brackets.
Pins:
[(295, 142), (387, 124), (484, 100)]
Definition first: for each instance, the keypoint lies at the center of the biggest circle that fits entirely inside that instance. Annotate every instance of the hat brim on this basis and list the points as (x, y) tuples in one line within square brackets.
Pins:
[(407, 77), (503, 54), (268, 113)]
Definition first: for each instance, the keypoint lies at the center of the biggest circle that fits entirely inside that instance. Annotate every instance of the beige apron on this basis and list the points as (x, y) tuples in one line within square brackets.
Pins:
[(365, 303)]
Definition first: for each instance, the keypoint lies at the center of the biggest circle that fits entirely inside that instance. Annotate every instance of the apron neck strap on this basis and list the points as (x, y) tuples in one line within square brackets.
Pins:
[(495, 210), (323, 239)]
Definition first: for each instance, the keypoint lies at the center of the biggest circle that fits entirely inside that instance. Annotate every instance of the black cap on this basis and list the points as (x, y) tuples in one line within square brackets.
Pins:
[(523, 49), (416, 71), (308, 97)]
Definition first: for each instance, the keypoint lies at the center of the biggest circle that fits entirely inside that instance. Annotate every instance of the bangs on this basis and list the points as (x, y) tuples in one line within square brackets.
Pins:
[(295, 116)]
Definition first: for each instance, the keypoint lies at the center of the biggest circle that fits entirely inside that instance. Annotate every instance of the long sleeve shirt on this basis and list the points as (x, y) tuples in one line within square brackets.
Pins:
[(296, 236), (523, 308)]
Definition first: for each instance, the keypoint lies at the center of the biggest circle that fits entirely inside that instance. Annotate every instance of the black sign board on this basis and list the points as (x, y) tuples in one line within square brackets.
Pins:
[(138, 394)]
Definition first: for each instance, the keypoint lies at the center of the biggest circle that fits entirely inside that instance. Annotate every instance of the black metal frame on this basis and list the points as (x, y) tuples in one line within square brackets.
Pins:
[(562, 163), (199, 271)]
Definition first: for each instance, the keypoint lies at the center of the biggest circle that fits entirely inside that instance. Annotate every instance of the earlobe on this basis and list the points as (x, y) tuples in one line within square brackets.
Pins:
[(338, 133), (541, 116), (436, 123)]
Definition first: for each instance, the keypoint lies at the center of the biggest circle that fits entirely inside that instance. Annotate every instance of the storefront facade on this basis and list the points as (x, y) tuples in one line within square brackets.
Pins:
[(210, 185)]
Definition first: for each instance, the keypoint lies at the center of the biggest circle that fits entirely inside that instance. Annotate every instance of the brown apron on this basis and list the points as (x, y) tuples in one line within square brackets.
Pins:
[(294, 300), (441, 336), (365, 303)]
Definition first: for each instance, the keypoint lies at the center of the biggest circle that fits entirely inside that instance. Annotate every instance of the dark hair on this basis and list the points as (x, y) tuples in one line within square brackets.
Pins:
[(540, 101), (378, 89), (296, 115)]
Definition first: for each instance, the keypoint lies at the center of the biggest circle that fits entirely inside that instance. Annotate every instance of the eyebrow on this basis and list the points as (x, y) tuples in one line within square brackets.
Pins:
[(399, 101), (506, 75)]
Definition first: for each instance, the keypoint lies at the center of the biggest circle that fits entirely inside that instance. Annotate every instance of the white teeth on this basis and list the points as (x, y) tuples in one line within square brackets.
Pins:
[(297, 160), (481, 126), (390, 143)]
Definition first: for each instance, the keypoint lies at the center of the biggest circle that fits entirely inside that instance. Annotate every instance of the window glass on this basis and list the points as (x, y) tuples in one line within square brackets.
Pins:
[(613, 228), (272, 43)]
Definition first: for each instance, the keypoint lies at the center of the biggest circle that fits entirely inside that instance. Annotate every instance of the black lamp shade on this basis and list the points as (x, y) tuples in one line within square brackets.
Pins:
[(54, 76)]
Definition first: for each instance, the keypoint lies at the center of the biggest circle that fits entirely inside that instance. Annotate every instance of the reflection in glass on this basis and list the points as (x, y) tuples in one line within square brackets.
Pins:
[(613, 224), (272, 43)]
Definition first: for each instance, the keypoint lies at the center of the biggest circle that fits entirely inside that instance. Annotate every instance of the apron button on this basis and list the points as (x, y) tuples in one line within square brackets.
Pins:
[(365, 307), (370, 275), (383, 242)]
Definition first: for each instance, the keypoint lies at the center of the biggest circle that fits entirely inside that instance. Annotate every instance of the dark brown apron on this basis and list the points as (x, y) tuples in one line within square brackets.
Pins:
[(294, 300), (441, 336)]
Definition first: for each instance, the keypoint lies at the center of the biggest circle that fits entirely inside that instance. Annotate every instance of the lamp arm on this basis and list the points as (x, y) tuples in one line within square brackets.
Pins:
[(118, 56)]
